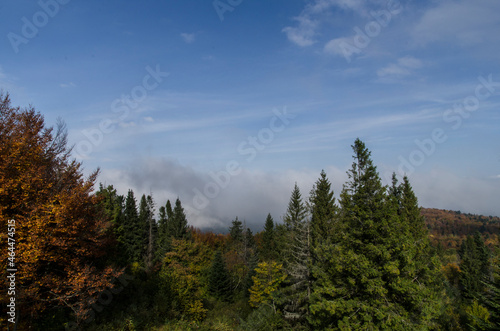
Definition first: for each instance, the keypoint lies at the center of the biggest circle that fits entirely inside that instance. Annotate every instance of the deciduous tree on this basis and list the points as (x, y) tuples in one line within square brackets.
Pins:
[(61, 233)]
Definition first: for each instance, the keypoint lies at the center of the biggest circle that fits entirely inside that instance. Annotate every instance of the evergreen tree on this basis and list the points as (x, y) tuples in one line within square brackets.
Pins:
[(178, 225), (149, 229), (474, 266), (268, 239), (113, 205), (168, 210), (368, 274), (144, 217), (236, 230), (163, 240), (133, 230), (297, 259), (248, 281), (219, 283), (249, 245), (323, 209), (491, 296)]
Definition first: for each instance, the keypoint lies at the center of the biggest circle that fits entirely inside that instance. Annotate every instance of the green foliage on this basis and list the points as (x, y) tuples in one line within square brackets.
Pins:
[(369, 273), (268, 251), (297, 259), (133, 230), (236, 230), (323, 209), (474, 266), (263, 318), (219, 283), (266, 282), (178, 226), (182, 274), (477, 316)]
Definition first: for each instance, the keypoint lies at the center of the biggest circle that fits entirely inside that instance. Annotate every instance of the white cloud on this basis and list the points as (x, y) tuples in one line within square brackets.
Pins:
[(339, 46), (66, 85), (466, 22), (188, 37), (303, 35), (309, 19), (403, 67), (441, 188), (250, 195), (410, 62)]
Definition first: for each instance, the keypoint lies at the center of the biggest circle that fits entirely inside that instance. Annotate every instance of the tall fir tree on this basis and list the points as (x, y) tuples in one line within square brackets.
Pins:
[(144, 217), (169, 210), (163, 239), (297, 254), (268, 239), (474, 266), (133, 230), (149, 230), (369, 275), (219, 282), (178, 226), (113, 205), (236, 230), (323, 209)]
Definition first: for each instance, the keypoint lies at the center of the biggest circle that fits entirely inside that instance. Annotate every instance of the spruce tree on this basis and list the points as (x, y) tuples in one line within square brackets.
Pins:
[(323, 209), (144, 216), (168, 210), (178, 226), (474, 266), (163, 239), (268, 239), (133, 230), (151, 230), (368, 274), (297, 254), (236, 230), (219, 283), (113, 205)]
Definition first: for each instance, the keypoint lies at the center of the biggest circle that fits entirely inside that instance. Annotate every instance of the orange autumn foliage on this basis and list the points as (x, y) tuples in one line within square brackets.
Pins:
[(61, 236)]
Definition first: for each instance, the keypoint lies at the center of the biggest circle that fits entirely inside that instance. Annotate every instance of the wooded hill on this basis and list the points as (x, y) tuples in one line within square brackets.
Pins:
[(450, 228)]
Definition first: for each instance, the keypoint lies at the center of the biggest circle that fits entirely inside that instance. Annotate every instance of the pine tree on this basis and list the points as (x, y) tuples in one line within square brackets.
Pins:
[(144, 217), (249, 246), (236, 230), (297, 258), (323, 209), (133, 230), (219, 283), (163, 239), (149, 229), (491, 296), (178, 225), (474, 266), (369, 274), (268, 239), (168, 210), (113, 205)]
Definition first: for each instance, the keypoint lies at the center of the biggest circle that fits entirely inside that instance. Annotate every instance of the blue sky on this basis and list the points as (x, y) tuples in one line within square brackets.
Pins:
[(227, 103)]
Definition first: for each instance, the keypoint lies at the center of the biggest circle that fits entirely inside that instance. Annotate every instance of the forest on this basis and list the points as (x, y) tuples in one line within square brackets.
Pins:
[(87, 258)]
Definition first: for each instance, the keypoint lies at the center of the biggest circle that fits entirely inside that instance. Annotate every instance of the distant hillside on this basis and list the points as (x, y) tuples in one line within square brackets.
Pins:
[(450, 227)]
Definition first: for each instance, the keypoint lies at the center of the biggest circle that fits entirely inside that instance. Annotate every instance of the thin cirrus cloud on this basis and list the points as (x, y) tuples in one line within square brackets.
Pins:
[(403, 67), (188, 37)]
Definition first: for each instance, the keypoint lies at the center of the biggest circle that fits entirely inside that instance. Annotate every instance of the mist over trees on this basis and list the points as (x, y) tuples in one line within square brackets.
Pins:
[(90, 258)]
